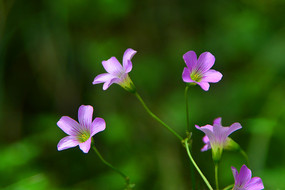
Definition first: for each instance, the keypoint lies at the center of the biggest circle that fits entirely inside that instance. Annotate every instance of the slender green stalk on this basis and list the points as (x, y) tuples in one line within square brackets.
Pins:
[(156, 118), (245, 156), (187, 108), (188, 130), (216, 176), (126, 178), (195, 165), (192, 176), (229, 187)]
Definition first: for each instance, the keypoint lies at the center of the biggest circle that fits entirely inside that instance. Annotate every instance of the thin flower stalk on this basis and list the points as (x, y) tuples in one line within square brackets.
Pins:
[(217, 175), (187, 109), (243, 153), (126, 178), (195, 165), (187, 131), (229, 187), (157, 118)]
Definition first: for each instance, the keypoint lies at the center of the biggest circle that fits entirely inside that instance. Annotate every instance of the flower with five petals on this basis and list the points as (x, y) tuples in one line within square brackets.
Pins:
[(117, 73), (217, 137), (243, 180), (198, 71), (80, 133)]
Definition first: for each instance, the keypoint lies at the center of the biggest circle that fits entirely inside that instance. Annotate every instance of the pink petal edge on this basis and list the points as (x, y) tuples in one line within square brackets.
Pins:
[(128, 55), (68, 125), (85, 114), (113, 66)]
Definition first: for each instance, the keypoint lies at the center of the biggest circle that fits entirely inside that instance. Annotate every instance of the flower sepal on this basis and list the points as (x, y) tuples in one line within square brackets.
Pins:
[(231, 145), (128, 85), (217, 154), (191, 84)]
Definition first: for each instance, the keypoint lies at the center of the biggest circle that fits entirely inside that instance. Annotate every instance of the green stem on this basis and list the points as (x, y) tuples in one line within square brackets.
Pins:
[(187, 108), (229, 187), (195, 165), (216, 176), (188, 130), (245, 156), (126, 178), (156, 118)]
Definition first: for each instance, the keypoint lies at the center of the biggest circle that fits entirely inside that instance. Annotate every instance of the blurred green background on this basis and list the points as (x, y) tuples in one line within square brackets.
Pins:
[(50, 52)]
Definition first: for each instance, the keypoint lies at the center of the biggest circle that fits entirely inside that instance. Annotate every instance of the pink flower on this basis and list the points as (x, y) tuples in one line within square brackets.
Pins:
[(207, 145), (243, 180), (216, 136), (198, 71), (116, 73), (82, 132)]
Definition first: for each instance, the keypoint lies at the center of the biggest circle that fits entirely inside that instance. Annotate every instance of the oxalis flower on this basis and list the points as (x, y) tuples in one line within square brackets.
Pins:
[(216, 137), (117, 73), (198, 71), (243, 180), (82, 132)]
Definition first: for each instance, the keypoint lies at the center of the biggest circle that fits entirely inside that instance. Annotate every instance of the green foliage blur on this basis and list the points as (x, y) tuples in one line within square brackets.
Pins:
[(50, 52)]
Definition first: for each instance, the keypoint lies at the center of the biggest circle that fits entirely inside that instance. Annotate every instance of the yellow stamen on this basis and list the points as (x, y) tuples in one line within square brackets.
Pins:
[(84, 137), (195, 76)]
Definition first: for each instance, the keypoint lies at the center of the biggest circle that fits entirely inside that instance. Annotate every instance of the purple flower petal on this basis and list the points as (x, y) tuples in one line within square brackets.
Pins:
[(85, 114), (198, 71), (113, 66), (69, 125), (235, 173), (97, 125), (212, 76), (217, 134), (209, 127), (244, 176), (207, 145), (205, 61), (190, 59), (233, 127), (102, 78), (204, 85), (186, 75), (243, 180), (254, 184), (85, 146), (218, 121), (220, 133), (128, 55), (205, 139), (67, 142), (108, 83), (208, 130), (80, 133)]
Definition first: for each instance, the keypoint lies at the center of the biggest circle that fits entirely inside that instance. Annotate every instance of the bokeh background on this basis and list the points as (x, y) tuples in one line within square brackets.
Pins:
[(50, 52)]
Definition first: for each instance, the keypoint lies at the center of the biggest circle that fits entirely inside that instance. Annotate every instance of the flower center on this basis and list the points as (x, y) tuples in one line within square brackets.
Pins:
[(195, 76), (83, 137)]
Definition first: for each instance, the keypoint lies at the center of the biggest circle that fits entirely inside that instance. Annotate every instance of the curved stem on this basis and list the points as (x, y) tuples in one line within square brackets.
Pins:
[(188, 130), (126, 178), (216, 176), (156, 118), (187, 108), (195, 165), (229, 187), (245, 156)]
